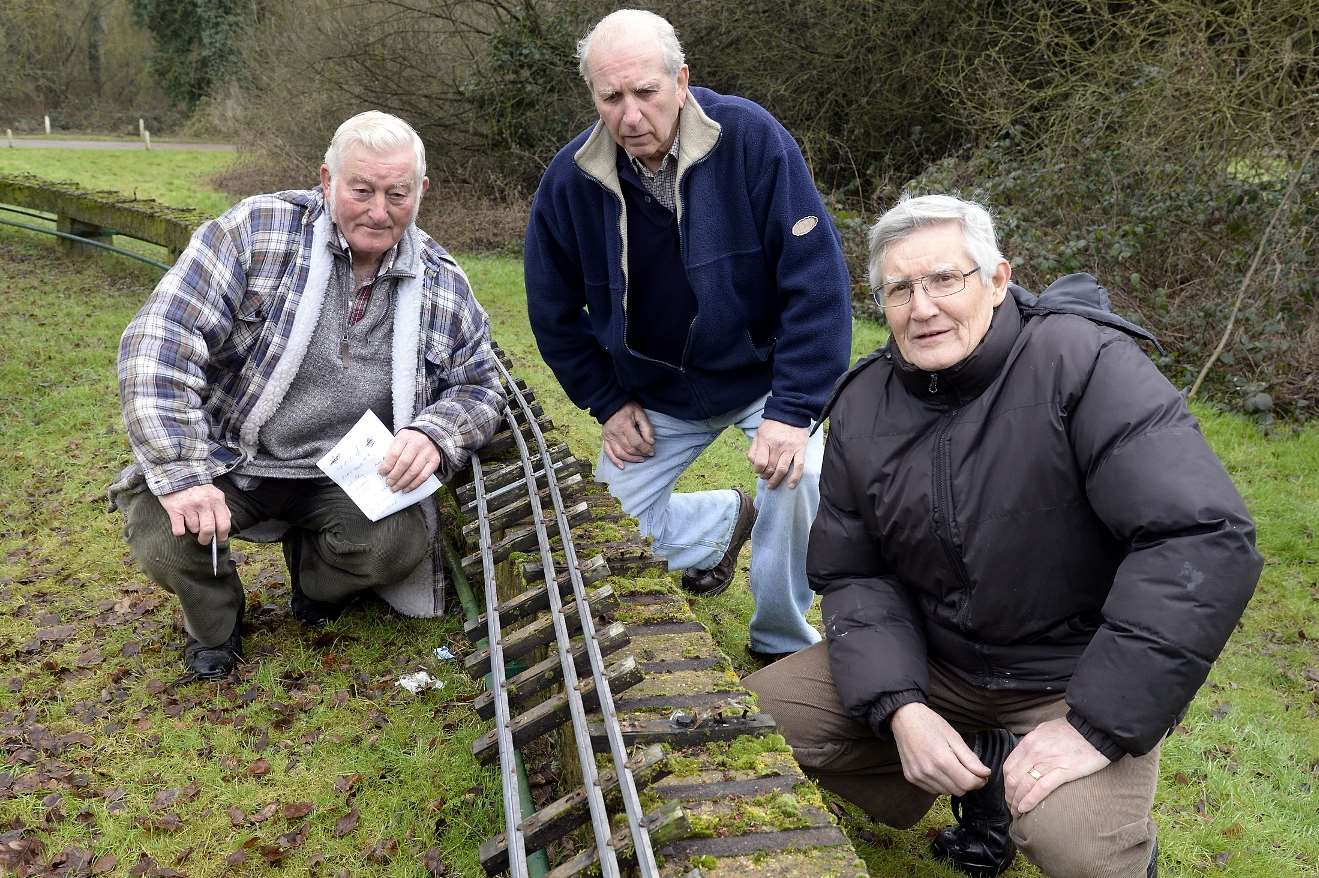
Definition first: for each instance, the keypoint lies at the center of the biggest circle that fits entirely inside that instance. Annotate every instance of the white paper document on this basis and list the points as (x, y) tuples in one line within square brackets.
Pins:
[(354, 463)]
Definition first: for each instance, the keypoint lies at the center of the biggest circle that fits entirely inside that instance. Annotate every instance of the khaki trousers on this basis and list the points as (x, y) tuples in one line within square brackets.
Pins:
[(1096, 826), (339, 551)]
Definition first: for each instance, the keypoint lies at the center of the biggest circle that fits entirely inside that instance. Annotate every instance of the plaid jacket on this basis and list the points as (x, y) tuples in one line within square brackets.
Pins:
[(203, 363)]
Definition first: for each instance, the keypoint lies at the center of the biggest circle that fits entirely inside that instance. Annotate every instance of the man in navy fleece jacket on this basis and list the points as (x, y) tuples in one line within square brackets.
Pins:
[(683, 277)]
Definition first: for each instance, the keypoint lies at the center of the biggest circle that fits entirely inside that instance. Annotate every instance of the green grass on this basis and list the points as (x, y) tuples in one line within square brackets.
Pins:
[(316, 707), (1238, 790), (174, 178)]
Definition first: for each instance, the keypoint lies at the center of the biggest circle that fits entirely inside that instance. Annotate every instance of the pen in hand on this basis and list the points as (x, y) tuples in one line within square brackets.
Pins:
[(215, 556)]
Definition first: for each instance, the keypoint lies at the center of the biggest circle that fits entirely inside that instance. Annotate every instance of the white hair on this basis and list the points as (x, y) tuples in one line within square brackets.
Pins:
[(377, 132), (911, 214), (636, 23)]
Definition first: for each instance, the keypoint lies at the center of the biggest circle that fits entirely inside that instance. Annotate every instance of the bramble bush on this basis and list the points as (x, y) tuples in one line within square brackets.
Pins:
[(1172, 243)]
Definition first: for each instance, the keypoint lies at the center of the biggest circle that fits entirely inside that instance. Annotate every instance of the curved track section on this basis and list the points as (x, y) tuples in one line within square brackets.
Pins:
[(666, 766)]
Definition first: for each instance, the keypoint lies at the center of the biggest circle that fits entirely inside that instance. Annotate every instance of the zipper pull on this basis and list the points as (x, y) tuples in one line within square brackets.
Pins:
[(934, 382)]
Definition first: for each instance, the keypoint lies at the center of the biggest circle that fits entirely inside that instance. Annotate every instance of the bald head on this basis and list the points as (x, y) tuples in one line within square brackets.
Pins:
[(633, 29)]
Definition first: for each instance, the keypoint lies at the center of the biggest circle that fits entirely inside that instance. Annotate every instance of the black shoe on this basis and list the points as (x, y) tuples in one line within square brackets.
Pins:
[(979, 844), (214, 662), (766, 658), (308, 611), (708, 583), (1153, 870)]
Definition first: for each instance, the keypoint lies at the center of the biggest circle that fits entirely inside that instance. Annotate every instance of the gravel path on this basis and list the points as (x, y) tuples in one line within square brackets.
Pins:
[(43, 143)]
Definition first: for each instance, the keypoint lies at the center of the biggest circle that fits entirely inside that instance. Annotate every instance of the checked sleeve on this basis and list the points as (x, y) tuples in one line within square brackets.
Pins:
[(165, 351)]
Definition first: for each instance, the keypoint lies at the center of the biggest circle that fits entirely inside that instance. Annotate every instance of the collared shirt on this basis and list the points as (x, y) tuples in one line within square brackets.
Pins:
[(362, 298), (662, 185)]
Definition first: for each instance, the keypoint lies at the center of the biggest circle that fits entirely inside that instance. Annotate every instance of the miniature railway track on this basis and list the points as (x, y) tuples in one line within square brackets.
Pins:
[(604, 653), (509, 496)]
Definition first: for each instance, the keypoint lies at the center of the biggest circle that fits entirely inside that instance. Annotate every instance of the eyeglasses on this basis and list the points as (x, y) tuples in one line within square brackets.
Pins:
[(936, 284)]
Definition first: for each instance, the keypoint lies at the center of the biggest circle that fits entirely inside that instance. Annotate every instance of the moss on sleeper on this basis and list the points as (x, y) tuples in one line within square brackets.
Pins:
[(771, 812)]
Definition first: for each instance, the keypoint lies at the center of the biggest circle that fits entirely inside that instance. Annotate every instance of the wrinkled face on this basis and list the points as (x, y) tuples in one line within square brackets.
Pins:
[(935, 333), (373, 198), (636, 98)]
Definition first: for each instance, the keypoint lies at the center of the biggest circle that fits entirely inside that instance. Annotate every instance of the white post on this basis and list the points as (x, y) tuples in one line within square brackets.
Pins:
[(47, 124), (146, 135), (141, 126), (9, 136)]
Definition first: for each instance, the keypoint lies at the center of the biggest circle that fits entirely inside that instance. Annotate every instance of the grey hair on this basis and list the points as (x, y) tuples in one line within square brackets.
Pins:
[(633, 22), (911, 214), (377, 132)]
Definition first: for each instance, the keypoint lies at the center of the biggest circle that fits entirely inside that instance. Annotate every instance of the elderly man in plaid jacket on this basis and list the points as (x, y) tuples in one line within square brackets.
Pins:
[(281, 323)]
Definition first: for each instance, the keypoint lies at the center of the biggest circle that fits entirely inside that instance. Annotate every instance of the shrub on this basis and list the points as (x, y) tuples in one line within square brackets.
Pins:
[(1172, 242)]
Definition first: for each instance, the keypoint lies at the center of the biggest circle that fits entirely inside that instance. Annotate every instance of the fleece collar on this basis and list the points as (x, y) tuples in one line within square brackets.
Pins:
[(307, 301), (698, 134)]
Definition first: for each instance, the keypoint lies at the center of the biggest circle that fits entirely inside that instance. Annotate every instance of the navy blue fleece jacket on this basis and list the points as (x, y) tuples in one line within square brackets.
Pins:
[(760, 253)]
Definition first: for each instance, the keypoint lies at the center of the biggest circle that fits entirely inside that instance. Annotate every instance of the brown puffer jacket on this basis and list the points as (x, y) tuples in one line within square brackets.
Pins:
[(1045, 515)]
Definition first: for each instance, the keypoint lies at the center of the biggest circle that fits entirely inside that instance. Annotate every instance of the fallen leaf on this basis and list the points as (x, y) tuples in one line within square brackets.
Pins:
[(167, 822), (346, 824), (56, 633), (1181, 779), (164, 798), (265, 813), (89, 659), (140, 868), (1221, 858), (237, 858), (260, 768), (382, 851), (237, 816), (1221, 710), (296, 810), (434, 865), (104, 863), (344, 783)]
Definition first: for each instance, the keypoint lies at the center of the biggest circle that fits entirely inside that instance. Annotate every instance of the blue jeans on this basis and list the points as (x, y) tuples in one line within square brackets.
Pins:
[(692, 531)]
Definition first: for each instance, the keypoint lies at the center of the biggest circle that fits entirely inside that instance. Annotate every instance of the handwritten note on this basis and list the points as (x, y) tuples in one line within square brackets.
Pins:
[(354, 463)]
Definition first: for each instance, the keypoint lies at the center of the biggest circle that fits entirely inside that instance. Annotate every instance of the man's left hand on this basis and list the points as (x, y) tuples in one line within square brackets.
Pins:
[(411, 457), (1057, 753), (778, 450)]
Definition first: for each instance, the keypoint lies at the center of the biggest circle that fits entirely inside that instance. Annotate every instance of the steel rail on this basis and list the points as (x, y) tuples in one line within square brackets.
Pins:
[(645, 855), (581, 730), (49, 217), (538, 864), (516, 843), (88, 241)]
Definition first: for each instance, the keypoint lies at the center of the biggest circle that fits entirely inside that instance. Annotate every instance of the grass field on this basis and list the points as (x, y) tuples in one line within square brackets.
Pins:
[(105, 759)]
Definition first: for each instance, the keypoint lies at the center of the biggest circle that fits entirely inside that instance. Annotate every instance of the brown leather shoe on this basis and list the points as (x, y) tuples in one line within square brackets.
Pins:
[(707, 583)]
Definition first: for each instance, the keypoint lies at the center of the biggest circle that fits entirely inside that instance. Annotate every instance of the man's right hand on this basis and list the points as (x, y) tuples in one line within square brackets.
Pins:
[(200, 510), (934, 757), (627, 435)]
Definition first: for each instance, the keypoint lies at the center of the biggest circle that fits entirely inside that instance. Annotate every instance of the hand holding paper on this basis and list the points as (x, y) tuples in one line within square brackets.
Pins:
[(354, 464), (411, 457)]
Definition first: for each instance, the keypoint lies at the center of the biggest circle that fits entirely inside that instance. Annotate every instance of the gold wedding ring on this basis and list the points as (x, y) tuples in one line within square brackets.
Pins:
[(1034, 772)]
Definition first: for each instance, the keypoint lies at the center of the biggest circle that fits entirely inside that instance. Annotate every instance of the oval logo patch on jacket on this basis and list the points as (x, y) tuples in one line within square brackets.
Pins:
[(804, 225)]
